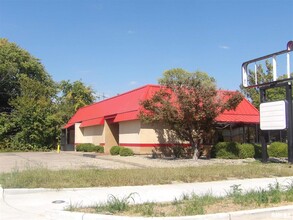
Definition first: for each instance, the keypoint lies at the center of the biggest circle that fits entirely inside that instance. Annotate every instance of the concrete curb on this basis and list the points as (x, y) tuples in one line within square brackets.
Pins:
[(1, 193)]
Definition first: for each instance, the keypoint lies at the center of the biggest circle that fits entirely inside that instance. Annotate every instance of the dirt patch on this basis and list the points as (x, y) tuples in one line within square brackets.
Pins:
[(148, 161), (76, 160), (170, 209)]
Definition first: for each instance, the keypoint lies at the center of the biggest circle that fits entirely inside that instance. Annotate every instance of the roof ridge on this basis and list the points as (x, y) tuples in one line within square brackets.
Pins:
[(246, 100), (139, 88), (124, 93)]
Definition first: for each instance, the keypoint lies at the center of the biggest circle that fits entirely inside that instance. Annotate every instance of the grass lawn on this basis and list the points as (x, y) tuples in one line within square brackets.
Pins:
[(45, 178)]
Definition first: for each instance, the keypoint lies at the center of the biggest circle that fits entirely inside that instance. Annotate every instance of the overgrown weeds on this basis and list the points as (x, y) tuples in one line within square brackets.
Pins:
[(116, 204), (192, 204), (259, 197)]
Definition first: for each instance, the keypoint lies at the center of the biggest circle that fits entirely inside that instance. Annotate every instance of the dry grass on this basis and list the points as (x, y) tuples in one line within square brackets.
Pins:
[(45, 178), (198, 205)]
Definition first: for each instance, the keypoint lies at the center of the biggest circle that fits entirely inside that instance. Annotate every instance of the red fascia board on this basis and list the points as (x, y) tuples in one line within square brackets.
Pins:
[(109, 117), (126, 116), (92, 122), (68, 125)]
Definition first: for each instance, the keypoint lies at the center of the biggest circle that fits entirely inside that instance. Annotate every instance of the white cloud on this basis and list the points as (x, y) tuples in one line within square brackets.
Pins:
[(132, 82), (130, 32), (225, 47)]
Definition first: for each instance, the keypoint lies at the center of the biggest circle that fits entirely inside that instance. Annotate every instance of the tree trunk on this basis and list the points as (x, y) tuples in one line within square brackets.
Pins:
[(195, 150)]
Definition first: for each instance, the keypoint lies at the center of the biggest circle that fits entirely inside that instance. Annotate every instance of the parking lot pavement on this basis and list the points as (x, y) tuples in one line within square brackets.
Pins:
[(55, 161), (76, 160)]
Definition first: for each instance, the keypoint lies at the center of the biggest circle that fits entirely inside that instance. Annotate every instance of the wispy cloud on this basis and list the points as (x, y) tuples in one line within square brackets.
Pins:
[(130, 32), (225, 47), (132, 82)]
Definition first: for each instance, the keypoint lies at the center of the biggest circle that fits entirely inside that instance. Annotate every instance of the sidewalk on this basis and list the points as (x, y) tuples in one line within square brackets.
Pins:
[(50, 203)]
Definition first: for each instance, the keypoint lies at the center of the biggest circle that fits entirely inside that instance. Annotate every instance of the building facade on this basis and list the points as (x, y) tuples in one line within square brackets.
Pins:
[(115, 121)]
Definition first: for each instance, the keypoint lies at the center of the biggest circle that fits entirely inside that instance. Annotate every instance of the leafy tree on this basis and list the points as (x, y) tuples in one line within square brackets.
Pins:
[(14, 63), (73, 96), (33, 108), (188, 103), (31, 125), (264, 75)]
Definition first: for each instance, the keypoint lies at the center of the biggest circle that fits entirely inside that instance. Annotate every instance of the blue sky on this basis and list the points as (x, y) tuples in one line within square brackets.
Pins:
[(119, 45)]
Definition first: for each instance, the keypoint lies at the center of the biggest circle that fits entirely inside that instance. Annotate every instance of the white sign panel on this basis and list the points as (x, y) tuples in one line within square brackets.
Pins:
[(273, 115)]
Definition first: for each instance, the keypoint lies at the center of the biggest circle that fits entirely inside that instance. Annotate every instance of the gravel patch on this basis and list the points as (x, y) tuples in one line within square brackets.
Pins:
[(148, 161), (76, 160)]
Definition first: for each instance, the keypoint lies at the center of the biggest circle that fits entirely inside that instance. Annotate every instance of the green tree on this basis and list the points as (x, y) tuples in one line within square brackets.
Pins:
[(188, 103), (14, 63), (264, 75), (33, 107), (32, 123), (73, 96), (27, 95)]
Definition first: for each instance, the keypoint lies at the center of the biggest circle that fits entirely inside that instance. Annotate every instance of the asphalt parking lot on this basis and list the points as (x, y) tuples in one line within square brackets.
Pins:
[(17, 161), (52, 160)]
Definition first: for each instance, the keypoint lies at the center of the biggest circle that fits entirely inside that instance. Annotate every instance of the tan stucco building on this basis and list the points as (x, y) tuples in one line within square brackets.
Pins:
[(115, 121)]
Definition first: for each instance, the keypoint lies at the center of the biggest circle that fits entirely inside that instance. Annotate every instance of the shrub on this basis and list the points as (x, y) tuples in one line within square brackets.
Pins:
[(115, 150), (234, 150), (224, 154), (226, 150), (100, 149), (178, 151), (88, 147), (246, 151), (278, 149), (257, 151), (216, 148), (125, 152)]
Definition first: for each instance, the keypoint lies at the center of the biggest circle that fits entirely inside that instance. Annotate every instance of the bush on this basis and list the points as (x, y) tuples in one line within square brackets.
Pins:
[(257, 151), (124, 152), (226, 150), (216, 148), (246, 151), (178, 151), (88, 147), (278, 149), (115, 150), (234, 150), (224, 154), (100, 149)]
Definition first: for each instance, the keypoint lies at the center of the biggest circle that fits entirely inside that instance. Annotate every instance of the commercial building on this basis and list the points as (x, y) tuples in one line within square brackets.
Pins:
[(115, 121)]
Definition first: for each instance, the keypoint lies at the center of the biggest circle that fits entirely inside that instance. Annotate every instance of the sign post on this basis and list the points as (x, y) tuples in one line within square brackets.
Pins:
[(290, 122), (264, 149), (273, 115)]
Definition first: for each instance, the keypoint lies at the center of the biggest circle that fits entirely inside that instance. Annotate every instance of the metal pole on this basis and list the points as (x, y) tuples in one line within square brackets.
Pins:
[(264, 153), (290, 128)]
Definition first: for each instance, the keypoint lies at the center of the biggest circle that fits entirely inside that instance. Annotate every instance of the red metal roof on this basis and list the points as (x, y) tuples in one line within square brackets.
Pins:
[(126, 106), (122, 107), (244, 113)]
